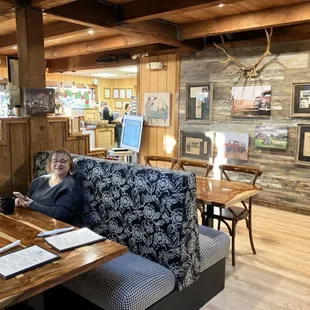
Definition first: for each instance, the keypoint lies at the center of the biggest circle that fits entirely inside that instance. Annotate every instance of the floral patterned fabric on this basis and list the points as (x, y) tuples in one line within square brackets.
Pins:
[(152, 211)]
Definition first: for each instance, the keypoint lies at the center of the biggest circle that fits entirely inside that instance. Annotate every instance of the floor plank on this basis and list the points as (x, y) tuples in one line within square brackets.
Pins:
[(278, 276)]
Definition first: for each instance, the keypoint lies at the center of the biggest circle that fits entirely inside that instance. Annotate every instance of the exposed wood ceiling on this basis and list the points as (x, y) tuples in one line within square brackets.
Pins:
[(178, 24)]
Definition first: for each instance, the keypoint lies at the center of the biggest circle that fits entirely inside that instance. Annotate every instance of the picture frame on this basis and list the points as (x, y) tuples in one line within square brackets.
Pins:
[(39, 101), (107, 93), (271, 137), (122, 93), (300, 101), (118, 104), (115, 93), (197, 145), (156, 109), (302, 153), (128, 93), (199, 100), (13, 70)]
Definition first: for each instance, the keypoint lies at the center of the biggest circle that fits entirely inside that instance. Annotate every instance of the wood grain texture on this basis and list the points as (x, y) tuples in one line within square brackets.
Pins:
[(277, 277), (285, 184), (71, 263)]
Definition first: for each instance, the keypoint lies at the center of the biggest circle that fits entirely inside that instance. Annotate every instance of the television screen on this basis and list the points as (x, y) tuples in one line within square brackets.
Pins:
[(132, 132)]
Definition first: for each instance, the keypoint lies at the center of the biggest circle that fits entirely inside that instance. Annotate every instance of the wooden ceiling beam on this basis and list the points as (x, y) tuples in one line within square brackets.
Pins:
[(139, 10), (51, 31), (99, 45), (280, 16)]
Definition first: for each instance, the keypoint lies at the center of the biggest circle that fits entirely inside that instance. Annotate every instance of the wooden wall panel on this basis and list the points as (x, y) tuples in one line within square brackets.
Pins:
[(160, 140), (285, 184)]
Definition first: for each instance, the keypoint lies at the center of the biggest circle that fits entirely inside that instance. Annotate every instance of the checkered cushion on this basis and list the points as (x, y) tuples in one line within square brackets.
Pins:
[(214, 246), (129, 282)]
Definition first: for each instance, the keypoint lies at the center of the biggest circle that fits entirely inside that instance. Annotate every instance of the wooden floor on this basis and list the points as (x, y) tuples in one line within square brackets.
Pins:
[(278, 276)]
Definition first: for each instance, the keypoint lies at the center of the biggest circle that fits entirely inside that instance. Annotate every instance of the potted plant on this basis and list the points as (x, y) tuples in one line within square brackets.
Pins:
[(12, 94)]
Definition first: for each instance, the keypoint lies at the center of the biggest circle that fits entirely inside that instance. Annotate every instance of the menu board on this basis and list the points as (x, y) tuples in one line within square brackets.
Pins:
[(24, 260), (74, 239)]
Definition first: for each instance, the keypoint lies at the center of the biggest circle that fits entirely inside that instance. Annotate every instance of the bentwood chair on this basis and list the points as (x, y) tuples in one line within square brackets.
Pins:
[(202, 167), (172, 160), (235, 214)]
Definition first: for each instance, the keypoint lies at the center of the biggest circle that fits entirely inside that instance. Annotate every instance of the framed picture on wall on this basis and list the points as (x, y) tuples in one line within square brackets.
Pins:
[(118, 104), (128, 93), (199, 98), (13, 70), (107, 93), (271, 137), (115, 93), (39, 101), (122, 93), (302, 154), (197, 145), (300, 103)]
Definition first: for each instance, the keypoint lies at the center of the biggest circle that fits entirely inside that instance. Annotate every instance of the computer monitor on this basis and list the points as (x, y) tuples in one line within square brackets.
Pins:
[(132, 132)]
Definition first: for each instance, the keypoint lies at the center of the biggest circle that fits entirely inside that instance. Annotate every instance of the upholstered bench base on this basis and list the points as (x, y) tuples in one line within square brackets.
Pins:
[(129, 282)]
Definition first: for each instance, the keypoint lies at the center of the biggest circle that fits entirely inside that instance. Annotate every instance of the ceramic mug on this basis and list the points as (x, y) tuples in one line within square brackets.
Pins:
[(7, 205)]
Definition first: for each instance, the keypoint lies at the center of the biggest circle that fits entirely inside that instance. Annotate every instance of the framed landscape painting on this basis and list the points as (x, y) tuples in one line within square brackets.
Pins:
[(197, 145), (198, 106), (300, 103), (302, 154), (272, 137), (251, 101)]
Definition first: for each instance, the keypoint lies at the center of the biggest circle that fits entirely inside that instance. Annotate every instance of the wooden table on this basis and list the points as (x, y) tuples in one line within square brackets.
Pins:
[(24, 225), (222, 193)]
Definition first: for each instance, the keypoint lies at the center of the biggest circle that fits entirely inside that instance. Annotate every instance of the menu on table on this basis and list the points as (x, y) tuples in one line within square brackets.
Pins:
[(24, 260), (74, 239)]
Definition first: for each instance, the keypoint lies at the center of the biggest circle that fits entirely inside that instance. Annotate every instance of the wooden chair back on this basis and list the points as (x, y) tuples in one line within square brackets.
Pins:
[(256, 172), (167, 159), (193, 163)]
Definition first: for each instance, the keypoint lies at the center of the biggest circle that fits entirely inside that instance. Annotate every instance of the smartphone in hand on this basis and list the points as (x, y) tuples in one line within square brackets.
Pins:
[(19, 195)]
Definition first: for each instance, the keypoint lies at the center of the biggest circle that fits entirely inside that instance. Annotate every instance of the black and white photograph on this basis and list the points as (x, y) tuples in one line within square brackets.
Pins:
[(300, 102)]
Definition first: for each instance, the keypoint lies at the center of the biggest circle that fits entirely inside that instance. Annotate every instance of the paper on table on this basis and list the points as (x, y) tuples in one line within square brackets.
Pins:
[(10, 246), (54, 232), (74, 239), (23, 260)]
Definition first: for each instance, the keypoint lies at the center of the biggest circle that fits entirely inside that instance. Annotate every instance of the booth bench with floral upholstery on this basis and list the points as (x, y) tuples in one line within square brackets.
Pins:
[(172, 263)]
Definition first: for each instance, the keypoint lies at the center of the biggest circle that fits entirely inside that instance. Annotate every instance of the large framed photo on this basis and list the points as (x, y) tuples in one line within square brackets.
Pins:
[(39, 101), (197, 145), (107, 93), (300, 104), (302, 154), (199, 99)]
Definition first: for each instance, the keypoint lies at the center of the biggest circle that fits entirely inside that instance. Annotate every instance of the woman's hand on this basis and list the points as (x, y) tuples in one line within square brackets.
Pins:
[(23, 203)]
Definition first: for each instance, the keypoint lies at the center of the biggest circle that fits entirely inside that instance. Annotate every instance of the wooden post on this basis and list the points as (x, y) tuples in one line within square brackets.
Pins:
[(30, 42)]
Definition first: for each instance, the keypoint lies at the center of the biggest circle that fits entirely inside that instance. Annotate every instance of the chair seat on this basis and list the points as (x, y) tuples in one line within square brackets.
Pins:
[(231, 213), (128, 282), (214, 246)]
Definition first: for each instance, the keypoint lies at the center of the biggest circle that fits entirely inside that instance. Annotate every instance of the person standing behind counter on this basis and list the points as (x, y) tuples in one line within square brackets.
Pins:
[(59, 194)]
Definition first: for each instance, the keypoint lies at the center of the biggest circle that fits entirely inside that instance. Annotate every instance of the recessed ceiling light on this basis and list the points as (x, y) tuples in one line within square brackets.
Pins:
[(90, 31), (221, 5), (130, 69), (15, 47), (104, 74)]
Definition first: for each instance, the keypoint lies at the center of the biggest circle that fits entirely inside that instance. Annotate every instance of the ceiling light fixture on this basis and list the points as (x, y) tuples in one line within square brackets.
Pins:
[(104, 74), (90, 31), (130, 69), (14, 47), (221, 5)]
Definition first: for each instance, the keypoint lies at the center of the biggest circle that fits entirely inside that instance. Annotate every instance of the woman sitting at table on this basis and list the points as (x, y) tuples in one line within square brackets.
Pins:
[(58, 194)]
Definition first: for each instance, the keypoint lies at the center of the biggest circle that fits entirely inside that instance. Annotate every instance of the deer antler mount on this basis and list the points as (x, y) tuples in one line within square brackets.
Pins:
[(247, 71)]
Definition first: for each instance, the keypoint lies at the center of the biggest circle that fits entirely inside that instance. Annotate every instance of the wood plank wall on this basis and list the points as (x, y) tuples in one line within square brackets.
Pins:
[(286, 185), (160, 140)]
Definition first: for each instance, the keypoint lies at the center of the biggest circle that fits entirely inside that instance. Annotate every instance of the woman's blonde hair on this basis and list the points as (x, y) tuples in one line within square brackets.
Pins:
[(61, 152)]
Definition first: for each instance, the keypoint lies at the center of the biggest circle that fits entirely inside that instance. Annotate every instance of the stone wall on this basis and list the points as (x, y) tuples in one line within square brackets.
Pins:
[(285, 184)]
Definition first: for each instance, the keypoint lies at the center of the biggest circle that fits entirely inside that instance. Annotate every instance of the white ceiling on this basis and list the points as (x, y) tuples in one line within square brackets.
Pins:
[(108, 73)]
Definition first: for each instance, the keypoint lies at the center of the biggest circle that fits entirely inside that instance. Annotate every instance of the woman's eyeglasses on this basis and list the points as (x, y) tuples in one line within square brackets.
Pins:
[(61, 161)]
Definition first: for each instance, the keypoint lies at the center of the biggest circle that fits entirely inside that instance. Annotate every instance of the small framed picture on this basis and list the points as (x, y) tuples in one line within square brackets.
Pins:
[(302, 154), (118, 104), (199, 99), (115, 93), (128, 93), (122, 93), (300, 103), (107, 93)]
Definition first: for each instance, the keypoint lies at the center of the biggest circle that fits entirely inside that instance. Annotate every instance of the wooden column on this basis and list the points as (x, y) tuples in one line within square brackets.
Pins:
[(30, 42)]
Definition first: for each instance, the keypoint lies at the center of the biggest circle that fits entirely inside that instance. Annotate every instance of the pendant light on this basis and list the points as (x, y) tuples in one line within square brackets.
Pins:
[(74, 89)]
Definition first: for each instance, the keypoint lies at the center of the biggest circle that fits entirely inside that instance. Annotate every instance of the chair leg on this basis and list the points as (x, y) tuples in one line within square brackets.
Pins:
[(249, 225), (233, 235)]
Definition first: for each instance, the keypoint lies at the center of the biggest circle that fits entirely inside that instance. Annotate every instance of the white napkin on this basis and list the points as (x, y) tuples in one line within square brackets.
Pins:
[(55, 231), (10, 246)]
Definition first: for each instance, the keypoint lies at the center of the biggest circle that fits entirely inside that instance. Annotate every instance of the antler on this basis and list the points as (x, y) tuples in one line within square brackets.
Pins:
[(248, 71)]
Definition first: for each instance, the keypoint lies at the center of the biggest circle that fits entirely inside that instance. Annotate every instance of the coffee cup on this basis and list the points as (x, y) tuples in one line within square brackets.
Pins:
[(7, 205)]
